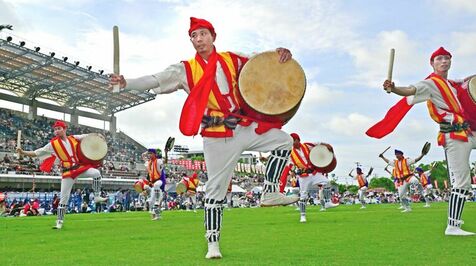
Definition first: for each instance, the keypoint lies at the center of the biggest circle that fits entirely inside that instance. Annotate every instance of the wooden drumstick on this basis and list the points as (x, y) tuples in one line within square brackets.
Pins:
[(19, 142), (115, 32), (390, 68)]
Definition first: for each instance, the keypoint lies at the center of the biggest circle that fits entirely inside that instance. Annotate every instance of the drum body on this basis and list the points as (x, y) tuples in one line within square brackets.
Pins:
[(271, 91), (323, 158), (92, 149), (182, 186), (140, 185), (169, 144), (468, 100)]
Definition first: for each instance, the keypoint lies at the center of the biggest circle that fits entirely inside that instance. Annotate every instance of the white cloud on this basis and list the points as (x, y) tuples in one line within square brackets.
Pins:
[(458, 5), (351, 125)]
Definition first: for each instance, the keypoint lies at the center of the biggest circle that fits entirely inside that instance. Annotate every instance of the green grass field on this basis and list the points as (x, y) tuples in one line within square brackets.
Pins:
[(378, 235)]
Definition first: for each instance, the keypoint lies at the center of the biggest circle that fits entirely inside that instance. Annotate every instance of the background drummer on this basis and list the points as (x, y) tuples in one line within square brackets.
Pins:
[(63, 148), (455, 135), (225, 136), (190, 194), (308, 175), (156, 177)]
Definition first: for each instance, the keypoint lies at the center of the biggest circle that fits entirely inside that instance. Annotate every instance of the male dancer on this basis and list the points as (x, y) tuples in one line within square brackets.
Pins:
[(211, 79), (308, 175), (363, 184), (63, 147), (457, 136), (402, 171), (156, 177), (425, 182)]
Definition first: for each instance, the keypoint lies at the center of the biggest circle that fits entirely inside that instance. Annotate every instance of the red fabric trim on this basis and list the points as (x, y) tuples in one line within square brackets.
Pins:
[(188, 71), (390, 121), (228, 133), (196, 102)]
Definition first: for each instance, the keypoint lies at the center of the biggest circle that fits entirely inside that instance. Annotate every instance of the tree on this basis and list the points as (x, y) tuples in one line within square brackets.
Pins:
[(439, 172), (382, 182)]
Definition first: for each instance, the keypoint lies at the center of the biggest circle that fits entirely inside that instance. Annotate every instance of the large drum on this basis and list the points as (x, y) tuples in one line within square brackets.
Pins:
[(92, 149), (323, 158), (271, 91), (181, 186), (141, 185), (467, 99)]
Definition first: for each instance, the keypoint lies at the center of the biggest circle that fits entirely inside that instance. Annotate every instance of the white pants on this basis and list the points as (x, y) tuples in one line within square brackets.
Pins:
[(457, 156), (67, 183), (306, 183), (222, 154), (362, 192), (156, 195)]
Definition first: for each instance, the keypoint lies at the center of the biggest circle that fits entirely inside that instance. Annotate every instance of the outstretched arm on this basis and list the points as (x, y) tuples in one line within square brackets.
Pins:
[(419, 158), (27, 153), (383, 158), (402, 91)]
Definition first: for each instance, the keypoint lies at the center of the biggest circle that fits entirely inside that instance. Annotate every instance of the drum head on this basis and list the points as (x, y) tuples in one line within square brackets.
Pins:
[(472, 89), (139, 186), (270, 87), (320, 156), (93, 147)]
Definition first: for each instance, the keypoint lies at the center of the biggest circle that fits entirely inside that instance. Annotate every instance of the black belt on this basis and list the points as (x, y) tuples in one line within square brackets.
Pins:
[(212, 121), (74, 167), (446, 127)]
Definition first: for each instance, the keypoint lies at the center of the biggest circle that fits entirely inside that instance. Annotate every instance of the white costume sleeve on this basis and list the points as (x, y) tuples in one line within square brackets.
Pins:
[(171, 79), (424, 91), (45, 151)]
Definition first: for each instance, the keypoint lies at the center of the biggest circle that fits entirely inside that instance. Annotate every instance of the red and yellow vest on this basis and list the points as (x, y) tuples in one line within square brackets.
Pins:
[(361, 181), (424, 180), (402, 171), (192, 185), (454, 107), (218, 104), (302, 163), (154, 173), (71, 165)]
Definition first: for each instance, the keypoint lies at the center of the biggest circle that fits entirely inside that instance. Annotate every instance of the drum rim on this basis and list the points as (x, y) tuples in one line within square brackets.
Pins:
[(85, 140), (243, 70), (472, 89), (322, 147)]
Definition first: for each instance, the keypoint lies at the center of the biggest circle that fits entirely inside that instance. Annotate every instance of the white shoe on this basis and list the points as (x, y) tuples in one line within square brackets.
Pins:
[(59, 225), (456, 231), (322, 209), (331, 205), (426, 206), (156, 217), (213, 251), (276, 199), (400, 208), (99, 199), (363, 207), (303, 219), (407, 210)]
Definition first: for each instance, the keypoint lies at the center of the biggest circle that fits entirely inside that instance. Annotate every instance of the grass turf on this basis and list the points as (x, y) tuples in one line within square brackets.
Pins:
[(378, 235)]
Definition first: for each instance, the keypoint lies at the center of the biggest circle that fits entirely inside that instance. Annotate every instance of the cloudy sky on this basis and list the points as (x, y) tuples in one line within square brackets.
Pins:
[(343, 47)]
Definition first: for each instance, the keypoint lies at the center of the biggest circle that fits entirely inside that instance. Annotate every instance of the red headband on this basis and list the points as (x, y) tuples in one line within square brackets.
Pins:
[(60, 123), (196, 23), (440, 51), (295, 136)]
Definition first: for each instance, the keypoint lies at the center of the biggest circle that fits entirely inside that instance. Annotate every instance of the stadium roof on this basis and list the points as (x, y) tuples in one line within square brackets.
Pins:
[(30, 74)]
